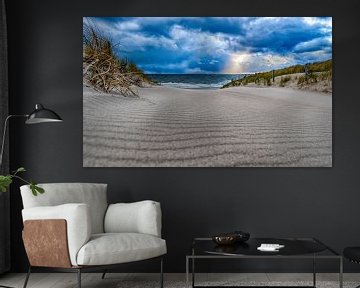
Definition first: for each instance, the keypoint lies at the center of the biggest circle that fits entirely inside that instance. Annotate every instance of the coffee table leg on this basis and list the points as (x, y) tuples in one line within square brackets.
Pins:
[(193, 272), (314, 271), (187, 272), (341, 273)]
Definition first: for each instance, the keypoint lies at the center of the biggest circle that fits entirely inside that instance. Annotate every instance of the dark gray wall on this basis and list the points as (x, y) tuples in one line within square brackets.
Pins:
[(45, 43)]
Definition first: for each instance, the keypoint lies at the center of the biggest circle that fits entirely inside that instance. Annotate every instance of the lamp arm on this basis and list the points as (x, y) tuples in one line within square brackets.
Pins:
[(4, 134)]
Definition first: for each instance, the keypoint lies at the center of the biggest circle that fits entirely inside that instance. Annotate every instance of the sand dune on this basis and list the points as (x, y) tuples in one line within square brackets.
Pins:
[(240, 126)]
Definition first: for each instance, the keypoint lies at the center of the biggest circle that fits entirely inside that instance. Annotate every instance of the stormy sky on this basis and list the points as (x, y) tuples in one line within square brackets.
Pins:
[(217, 44)]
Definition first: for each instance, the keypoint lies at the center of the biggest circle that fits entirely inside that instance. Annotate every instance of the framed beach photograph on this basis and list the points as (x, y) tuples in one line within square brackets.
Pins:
[(207, 92)]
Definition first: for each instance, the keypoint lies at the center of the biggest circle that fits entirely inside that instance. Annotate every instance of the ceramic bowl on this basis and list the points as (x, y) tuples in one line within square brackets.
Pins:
[(225, 239)]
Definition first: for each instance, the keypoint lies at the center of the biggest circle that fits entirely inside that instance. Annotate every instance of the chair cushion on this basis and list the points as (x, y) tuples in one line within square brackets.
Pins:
[(137, 217), (92, 194), (352, 253), (114, 248)]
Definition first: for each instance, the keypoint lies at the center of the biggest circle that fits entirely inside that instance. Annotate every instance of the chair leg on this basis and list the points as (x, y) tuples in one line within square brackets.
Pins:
[(27, 277), (161, 272), (79, 277), (103, 275)]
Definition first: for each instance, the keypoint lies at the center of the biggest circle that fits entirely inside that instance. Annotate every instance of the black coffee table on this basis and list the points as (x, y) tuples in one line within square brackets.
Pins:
[(295, 248)]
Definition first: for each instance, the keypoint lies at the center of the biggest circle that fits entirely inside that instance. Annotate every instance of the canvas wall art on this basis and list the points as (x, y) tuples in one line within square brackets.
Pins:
[(207, 92)]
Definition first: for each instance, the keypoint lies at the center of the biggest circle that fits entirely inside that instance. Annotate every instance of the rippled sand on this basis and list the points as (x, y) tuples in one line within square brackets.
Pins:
[(240, 126)]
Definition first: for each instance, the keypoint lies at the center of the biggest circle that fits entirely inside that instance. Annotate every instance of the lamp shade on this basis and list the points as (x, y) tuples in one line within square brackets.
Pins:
[(42, 115)]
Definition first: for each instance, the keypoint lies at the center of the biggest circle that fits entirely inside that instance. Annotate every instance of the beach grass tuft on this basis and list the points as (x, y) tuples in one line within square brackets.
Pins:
[(104, 70), (284, 80)]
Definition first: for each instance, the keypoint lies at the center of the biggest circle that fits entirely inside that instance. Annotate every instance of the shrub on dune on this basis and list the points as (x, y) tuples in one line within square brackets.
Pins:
[(324, 68), (104, 70)]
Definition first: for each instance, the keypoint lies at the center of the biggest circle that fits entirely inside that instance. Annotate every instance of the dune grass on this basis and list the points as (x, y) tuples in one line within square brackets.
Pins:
[(104, 70), (314, 78), (321, 70)]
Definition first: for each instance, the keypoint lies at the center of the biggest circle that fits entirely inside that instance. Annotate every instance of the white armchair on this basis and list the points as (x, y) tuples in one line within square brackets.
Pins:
[(72, 228)]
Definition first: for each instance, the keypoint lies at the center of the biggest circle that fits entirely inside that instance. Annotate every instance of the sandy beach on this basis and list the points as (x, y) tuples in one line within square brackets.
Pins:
[(233, 127)]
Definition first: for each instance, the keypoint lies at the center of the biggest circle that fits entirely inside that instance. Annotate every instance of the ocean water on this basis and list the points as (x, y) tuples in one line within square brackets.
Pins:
[(195, 81)]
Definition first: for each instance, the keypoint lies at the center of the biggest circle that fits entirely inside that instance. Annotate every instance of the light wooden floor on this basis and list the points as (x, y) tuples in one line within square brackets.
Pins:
[(68, 280)]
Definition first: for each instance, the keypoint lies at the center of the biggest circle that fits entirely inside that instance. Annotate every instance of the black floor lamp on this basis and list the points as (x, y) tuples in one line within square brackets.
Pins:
[(39, 115)]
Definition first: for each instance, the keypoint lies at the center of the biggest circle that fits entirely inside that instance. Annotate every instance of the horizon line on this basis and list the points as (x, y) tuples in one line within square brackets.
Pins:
[(200, 73), (240, 73)]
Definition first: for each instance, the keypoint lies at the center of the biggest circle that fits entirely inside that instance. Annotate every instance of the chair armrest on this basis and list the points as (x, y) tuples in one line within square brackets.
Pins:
[(138, 217), (78, 223)]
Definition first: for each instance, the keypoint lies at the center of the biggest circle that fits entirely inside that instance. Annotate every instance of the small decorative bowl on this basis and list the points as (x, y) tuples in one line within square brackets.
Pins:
[(225, 239)]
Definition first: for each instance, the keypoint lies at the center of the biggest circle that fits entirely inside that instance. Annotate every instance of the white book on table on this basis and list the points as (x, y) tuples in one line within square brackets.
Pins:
[(270, 247)]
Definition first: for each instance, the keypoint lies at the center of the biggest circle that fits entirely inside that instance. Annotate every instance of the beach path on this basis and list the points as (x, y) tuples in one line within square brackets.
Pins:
[(234, 127)]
